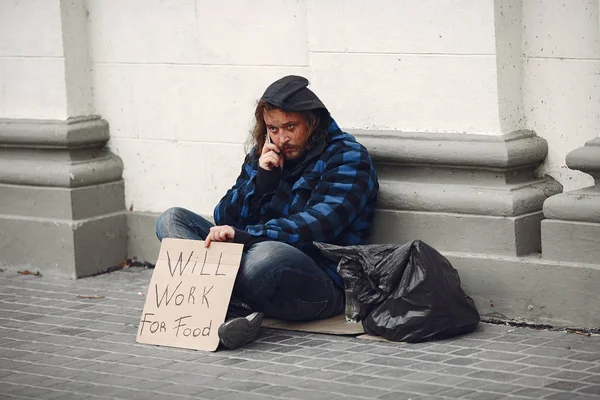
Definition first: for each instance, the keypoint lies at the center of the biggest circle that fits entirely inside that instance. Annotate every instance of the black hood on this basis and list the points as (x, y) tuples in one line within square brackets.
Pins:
[(291, 94)]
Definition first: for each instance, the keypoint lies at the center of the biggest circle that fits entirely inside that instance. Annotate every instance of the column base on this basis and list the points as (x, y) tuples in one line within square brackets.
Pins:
[(460, 192), (67, 248), (62, 203), (571, 231)]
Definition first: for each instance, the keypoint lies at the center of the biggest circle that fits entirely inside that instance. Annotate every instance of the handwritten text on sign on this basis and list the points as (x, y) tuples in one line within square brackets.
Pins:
[(189, 293)]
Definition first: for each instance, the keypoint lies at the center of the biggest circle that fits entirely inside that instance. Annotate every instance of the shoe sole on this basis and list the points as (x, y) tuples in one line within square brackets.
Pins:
[(239, 331)]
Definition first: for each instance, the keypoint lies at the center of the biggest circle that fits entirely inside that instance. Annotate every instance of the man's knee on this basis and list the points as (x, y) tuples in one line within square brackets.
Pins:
[(167, 219), (264, 262), (262, 259)]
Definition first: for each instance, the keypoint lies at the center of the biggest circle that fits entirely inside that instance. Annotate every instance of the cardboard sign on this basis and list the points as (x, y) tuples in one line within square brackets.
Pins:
[(334, 326), (189, 293)]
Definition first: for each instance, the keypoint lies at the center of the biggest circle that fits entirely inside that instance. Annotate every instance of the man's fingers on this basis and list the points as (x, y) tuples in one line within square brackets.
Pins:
[(269, 147), (270, 160), (219, 234)]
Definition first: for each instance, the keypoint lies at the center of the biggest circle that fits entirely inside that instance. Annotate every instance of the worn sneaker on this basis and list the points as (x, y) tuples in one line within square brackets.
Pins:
[(238, 331)]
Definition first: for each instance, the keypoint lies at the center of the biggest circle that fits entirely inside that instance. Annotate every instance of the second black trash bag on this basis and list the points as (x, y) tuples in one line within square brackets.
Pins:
[(408, 293)]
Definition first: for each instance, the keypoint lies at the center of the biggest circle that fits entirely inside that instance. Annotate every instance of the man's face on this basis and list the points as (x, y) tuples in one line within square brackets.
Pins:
[(288, 131)]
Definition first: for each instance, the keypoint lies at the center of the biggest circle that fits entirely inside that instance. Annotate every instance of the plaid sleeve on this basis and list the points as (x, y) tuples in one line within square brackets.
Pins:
[(347, 182), (235, 207)]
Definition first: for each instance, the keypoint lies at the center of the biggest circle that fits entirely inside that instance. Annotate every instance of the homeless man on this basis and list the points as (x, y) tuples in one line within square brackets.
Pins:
[(303, 181)]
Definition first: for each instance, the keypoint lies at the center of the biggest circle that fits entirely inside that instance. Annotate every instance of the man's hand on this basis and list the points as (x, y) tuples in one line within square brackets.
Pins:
[(221, 233), (270, 157)]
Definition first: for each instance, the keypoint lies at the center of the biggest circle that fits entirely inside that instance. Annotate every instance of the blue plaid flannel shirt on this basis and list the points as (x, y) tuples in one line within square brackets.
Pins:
[(331, 199)]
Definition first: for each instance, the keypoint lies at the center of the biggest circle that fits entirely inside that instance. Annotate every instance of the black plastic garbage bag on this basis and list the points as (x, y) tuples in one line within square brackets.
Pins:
[(408, 293)]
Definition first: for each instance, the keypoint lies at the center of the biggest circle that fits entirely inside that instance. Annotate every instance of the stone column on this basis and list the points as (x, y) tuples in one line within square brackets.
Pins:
[(62, 208), (473, 192), (571, 231)]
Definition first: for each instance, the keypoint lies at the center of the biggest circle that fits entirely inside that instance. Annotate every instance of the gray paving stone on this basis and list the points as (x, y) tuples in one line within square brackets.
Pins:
[(581, 366), (508, 347), (569, 375), (465, 352), (550, 352), (391, 362), (307, 395), (535, 341), (434, 357), (420, 388), (494, 376), (446, 380), (592, 389), (426, 366), (538, 371), (273, 390), (404, 353), (456, 393), (592, 357), (536, 393), (462, 361), (454, 370), (499, 366), (355, 379), (500, 356), (440, 348), (401, 396), (566, 385), (544, 361), (33, 392), (593, 379), (500, 387), (420, 377), (534, 381), (390, 372), (383, 383), (364, 392), (344, 366), (566, 396), (484, 396)]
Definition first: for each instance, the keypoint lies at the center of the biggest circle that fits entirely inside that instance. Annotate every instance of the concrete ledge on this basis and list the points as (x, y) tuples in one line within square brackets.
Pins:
[(67, 248), (531, 289), (571, 241), (143, 243), (476, 234), (508, 151)]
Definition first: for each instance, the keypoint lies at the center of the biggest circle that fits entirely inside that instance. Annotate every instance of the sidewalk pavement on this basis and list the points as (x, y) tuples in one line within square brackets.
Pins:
[(55, 345)]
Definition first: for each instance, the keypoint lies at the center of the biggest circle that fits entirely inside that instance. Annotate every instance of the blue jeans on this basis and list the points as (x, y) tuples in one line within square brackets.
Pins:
[(274, 278)]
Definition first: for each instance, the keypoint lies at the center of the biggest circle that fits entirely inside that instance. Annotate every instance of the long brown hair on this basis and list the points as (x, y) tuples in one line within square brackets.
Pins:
[(317, 122)]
